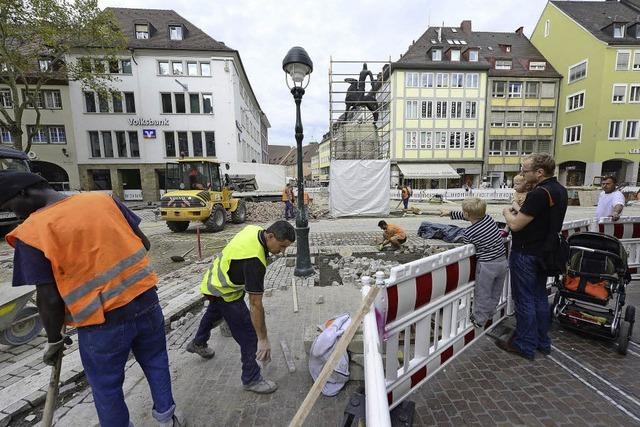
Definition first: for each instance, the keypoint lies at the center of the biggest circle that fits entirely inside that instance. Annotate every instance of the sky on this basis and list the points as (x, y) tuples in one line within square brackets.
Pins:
[(356, 30)]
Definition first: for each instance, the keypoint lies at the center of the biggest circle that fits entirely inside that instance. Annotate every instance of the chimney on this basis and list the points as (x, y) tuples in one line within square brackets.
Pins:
[(440, 35), (520, 31), (465, 27)]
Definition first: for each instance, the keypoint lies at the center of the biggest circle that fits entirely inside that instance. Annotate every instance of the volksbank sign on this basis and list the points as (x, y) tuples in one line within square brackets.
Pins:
[(148, 122)]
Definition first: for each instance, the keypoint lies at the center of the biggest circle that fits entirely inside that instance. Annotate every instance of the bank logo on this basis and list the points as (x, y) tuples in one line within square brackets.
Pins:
[(149, 133)]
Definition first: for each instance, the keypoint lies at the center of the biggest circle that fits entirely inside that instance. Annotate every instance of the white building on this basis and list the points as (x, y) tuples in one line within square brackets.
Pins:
[(179, 92)]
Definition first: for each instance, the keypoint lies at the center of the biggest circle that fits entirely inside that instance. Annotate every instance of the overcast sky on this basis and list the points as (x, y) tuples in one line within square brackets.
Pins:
[(264, 30)]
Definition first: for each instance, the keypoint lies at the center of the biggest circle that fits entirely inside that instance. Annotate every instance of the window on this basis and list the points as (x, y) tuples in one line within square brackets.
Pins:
[(513, 119), (57, 135), (572, 134), (426, 110), (578, 72), (45, 135), (456, 109), (622, 60), (472, 81), (116, 100), (427, 79), (548, 90), (473, 56), (166, 103), (614, 129), (547, 28), (632, 129), (545, 119), (499, 89), (511, 148), (90, 102), (531, 90), (5, 99), (457, 80), (412, 80), (441, 109), (210, 143), (196, 137), (126, 66), (99, 66), (52, 99), (163, 68), (142, 31), (515, 89), (176, 68), (495, 148), (527, 147), (529, 119), (469, 139), (114, 67), (183, 144), (192, 68), (194, 103), (454, 139), (130, 102), (436, 55), (442, 80), (634, 93), (107, 143), (180, 105), (94, 142), (426, 140), (575, 101), (121, 144), (636, 55), (175, 32), (411, 140), (470, 109), (440, 140), (455, 54), (412, 110), (134, 147), (103, 103), (169, 144), (207, 103), (619, 93), (537, 66), (5, 136), (503, 64), (618, 31), (497, 119), (44, 65), (205, 69)]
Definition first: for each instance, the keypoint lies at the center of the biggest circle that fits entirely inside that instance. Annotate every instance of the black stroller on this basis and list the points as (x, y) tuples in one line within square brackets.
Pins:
[(591, 295)]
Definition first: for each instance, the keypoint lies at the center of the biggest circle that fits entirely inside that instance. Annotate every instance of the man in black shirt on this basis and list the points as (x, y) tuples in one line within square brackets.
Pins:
[(540, 217)]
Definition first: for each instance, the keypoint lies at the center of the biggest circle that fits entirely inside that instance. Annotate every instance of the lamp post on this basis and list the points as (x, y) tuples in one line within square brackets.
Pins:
[(298, 66)]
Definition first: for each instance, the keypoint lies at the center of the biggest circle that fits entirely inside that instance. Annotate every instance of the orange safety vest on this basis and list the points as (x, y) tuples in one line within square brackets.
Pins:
[(98, 262), (285, 194)]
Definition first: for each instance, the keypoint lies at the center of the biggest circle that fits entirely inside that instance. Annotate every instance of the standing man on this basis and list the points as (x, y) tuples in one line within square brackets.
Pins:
[(288, 198), (240, 269), (540, 217), (91, 271), (405, 194), (611, 201)]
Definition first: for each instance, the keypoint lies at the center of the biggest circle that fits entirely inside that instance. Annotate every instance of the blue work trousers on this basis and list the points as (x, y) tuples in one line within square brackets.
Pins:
[(237, 316), (289, 212), (529, 293), (104, 350)]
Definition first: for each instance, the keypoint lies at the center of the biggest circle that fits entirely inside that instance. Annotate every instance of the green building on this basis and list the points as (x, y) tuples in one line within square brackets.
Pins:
[(596, 47)]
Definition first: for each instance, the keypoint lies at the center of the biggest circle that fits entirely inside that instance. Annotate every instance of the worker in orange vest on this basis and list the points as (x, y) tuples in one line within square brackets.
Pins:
[(92, 272), (288, 198)]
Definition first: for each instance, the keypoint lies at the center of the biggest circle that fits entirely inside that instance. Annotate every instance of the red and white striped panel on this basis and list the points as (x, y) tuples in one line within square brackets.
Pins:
[(621, 230), (571, 231), (412, 293)]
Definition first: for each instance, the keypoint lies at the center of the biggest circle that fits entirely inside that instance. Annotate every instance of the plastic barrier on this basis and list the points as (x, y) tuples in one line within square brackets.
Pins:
[(132, 195), (457, 194)]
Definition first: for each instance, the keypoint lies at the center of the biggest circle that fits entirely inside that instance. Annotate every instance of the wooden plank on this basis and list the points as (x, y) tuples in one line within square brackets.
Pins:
[(294, 292), (288, 357)]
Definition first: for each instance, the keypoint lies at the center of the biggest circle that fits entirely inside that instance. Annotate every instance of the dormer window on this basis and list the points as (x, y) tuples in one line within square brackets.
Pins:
[(618, 31), (45, 65), (436, 55), (142, 31), (503, 64), (455, 54), (537, 66), (175, 32), (506, 47), (473, 56)]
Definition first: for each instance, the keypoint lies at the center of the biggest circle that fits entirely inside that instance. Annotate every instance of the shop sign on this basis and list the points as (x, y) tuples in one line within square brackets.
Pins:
[(634, 151), (148, 122)]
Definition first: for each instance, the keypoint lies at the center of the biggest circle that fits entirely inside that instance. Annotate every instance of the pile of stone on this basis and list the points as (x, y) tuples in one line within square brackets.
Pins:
[(351, 269), (262, 212)]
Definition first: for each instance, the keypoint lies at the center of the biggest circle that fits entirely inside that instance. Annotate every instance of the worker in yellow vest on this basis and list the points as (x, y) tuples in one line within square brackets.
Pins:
[(88, 260), (240, 269)]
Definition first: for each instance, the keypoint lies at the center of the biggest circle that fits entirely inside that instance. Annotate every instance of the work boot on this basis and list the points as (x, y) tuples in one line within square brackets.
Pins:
[(261, 386), (201, 350), (177, 420)]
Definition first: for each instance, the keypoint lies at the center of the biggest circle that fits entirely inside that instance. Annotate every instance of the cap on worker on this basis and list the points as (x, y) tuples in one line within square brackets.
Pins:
[(11, 183)]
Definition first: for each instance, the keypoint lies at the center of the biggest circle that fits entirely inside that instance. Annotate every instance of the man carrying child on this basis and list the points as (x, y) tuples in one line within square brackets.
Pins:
[(491, 268)]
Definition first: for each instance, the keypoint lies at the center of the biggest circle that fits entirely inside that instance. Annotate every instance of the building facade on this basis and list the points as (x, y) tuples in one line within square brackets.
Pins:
[(321, 162), (596, 46), (179, 93)]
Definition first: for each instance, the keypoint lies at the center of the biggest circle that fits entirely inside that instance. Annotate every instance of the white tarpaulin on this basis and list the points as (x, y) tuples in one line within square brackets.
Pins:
[(427, 170), (359, 187)]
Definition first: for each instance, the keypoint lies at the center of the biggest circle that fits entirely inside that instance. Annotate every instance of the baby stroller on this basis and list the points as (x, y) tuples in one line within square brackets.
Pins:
[(591, 295)]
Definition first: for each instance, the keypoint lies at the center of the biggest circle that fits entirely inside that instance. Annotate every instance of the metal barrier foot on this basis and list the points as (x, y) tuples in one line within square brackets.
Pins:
[(402, 415), (355, 410)]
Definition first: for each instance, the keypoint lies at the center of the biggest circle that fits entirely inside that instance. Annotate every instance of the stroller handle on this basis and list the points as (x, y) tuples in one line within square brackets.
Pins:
[(598, 251)]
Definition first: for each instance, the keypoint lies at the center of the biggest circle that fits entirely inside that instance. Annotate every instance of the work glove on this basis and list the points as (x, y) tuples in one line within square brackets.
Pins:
[(53, 349), (264, 351)]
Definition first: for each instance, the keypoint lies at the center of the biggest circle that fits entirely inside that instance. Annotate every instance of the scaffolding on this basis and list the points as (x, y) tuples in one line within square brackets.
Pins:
[(359, 109)]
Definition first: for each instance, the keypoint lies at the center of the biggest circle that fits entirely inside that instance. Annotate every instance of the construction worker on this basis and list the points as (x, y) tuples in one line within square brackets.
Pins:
[(92, 272), (288, 198), (240, 269), (392, 235)]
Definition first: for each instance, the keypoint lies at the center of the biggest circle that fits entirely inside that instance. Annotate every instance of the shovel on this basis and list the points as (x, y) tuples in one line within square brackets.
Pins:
[(178, 258)]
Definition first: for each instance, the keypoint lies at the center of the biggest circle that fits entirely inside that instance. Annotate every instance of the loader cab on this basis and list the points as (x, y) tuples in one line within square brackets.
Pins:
[(194, 175)]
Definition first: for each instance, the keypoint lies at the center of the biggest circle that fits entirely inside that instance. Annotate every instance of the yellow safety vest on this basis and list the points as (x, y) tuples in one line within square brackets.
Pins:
[(244, 245)]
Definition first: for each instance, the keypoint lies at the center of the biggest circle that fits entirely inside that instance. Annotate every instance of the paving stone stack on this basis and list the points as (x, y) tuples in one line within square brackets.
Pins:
[(263, 212)]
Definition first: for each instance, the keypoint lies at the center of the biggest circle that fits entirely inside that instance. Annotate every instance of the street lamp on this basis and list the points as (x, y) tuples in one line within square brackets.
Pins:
[(298, 66)]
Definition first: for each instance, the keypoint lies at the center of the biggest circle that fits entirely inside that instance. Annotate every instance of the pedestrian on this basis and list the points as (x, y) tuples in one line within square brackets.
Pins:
[(288, 199), (538, 221), (392, 235), (491, 268), (611, 200), (92, 272), (404, 194), (240, 269)]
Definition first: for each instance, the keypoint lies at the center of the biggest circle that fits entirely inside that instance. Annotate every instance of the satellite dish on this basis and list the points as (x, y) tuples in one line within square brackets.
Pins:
[(32, 155)]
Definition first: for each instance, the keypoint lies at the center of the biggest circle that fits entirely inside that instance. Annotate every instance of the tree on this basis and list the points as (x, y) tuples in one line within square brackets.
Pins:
[(36, 39)]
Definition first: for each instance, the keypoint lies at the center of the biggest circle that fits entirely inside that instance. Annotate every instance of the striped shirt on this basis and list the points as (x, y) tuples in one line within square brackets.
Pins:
[(485, 236)]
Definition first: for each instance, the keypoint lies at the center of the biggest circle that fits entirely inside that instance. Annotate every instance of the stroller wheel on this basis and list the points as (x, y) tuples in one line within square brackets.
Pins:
[(630, 314), (623, 337)]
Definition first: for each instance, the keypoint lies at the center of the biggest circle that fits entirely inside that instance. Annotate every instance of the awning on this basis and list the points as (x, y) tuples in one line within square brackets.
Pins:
[(427, 170)]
